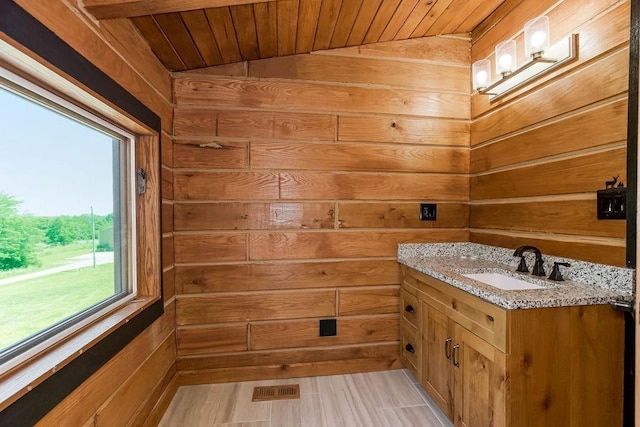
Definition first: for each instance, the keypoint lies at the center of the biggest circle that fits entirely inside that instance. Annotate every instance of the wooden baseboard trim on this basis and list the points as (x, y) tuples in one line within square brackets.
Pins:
[(158, 404), (296, 370)]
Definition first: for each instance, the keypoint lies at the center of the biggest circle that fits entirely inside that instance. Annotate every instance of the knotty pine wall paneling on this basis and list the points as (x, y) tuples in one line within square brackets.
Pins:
[(539, 154), (294, 180), (136, 386)]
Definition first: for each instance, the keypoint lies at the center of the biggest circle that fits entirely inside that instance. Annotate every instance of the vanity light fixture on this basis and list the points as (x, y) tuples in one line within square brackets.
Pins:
[(544, 59)]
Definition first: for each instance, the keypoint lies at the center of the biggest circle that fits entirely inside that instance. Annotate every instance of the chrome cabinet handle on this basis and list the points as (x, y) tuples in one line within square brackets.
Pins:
[(456, 363), (409, 309), (410, 348), (447, 347)]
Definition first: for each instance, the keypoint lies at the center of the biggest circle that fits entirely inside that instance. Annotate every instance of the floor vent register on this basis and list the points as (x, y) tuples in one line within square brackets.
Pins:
[(276, 392)]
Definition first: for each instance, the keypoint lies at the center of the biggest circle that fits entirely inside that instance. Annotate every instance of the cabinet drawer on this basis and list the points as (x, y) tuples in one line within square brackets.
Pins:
[(411, 346), (410, 308), (484, 319)]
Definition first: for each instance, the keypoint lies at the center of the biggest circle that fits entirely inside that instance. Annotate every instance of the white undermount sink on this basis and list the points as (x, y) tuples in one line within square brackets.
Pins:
[(502, 281)]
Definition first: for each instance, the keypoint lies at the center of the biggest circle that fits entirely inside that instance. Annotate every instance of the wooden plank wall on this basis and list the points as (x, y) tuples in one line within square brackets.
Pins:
[(295, 178), (538, 156), (134, 387)]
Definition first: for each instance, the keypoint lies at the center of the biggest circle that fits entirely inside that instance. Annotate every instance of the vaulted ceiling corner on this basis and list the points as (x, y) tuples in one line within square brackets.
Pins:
[(192, 34)]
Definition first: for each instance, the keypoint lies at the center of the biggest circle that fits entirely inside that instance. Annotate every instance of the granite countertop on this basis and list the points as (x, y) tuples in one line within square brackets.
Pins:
[(585, 283)]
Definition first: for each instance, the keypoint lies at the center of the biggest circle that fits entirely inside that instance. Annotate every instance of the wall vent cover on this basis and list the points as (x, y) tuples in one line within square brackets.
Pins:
[(276, 392)]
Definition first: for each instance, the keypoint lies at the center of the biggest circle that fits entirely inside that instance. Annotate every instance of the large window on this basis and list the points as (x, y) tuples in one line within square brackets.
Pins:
[(67, 218)]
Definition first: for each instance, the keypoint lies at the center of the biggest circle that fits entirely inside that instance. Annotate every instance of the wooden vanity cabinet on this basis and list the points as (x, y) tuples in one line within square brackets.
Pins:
[(487, 366)]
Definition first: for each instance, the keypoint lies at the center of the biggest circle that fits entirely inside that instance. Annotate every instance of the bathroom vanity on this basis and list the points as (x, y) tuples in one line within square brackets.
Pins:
[(549, 356)]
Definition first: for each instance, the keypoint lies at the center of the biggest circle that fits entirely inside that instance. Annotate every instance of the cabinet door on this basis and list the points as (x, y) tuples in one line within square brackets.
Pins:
[(437, 374), (480, 381)]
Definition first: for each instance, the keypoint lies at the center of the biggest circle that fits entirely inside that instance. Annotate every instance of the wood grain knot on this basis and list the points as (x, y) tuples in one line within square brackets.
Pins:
[(211, 145), (546, 402), (393, 125)]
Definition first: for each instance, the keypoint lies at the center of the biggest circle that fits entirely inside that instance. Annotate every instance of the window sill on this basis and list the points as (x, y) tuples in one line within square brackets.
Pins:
[(20, 380)]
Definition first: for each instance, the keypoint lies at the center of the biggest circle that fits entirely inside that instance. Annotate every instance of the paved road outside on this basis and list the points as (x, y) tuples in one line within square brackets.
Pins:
[(75, 263)]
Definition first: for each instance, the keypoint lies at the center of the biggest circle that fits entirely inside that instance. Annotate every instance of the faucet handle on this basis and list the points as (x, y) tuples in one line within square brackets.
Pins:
[(522, 267), (555, 273), (538, 267)]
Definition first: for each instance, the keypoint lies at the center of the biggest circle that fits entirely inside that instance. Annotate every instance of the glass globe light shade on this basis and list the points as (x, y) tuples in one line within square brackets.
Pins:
[(481, 71), (536, 37), (506, 57)]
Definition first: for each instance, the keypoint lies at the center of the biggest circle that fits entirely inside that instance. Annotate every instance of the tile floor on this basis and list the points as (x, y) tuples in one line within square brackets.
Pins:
[(390, 398)]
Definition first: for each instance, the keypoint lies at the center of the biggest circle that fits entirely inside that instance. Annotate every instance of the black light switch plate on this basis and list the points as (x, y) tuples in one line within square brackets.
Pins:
[(612, 203), (428, 211), (328, 327)]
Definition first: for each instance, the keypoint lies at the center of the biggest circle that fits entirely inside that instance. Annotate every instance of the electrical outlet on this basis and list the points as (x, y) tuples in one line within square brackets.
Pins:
[(428, 211), (328, 327)]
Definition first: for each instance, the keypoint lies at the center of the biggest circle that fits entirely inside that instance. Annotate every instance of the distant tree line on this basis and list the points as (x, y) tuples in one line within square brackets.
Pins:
[(20, 234)]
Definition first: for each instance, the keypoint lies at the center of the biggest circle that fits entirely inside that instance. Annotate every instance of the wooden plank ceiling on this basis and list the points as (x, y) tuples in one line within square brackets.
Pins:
[(190, 34)]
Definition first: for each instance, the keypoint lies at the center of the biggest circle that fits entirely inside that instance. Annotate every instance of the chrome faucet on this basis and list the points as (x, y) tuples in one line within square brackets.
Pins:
[(538, 268)]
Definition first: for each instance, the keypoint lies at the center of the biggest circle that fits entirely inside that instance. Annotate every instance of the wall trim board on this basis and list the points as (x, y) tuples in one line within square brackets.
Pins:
[(24, 29), (629, 404), (155, 414), (294, 370), (632, 135)]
